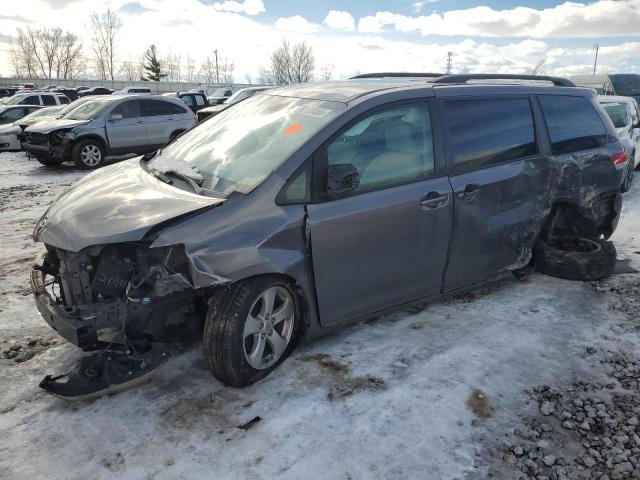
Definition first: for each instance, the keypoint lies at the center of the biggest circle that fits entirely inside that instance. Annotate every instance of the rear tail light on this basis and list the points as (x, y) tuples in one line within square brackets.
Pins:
[(195, 117), (620, 158)]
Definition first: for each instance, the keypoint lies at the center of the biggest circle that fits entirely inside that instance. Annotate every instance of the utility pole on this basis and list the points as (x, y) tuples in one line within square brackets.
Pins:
[(217, 76), (449, 62), (595, 63)]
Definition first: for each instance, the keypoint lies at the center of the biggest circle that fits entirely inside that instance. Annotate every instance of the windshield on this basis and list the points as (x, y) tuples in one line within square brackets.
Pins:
[(219, 92), (618, 113), (237, 149), (15, 100), (89, 110), (43, 112)]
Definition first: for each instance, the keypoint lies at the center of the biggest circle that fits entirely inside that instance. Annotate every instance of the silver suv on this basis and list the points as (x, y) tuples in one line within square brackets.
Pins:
[(108, 126)]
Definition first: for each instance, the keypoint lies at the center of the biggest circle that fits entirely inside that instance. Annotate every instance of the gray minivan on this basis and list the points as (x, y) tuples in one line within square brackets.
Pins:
[(310, 207), (108, 125)]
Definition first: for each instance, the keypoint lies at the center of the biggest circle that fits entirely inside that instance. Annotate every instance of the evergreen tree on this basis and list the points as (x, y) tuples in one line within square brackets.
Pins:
[(152, 65)]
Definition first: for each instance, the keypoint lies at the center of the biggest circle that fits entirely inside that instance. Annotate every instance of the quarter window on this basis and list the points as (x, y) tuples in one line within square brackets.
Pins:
[(387, 148), (573, 123), (488, 131)]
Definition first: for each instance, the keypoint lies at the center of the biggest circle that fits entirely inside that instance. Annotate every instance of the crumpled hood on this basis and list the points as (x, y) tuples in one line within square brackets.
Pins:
[(32, 121), (53, 125), (115, 204)]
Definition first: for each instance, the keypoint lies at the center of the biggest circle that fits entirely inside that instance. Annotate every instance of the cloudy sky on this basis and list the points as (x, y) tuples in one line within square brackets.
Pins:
[(360, 35)]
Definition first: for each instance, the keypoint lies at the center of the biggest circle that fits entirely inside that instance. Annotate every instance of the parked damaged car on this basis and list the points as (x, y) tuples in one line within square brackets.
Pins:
[(625, 115), (310, 207), (107, 125)]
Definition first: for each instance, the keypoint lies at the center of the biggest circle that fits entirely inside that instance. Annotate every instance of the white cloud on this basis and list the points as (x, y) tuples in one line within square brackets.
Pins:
[(250, 7), (296, 24), (340, 20), (598, 19), (248, 42), (417, 6)]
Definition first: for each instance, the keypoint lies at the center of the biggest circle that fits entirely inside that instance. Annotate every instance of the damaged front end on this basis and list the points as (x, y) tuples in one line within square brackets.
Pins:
[(118, 300), (56, 144)]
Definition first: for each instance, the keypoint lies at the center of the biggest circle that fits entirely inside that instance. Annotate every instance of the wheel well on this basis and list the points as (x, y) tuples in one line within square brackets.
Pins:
[(566, 219), (298, 290), (95, 138)]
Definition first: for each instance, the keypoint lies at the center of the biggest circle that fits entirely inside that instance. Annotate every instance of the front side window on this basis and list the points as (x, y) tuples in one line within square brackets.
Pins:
[(199, 100), (573, 123), (618, 113), (238, 148), (32, 100), (389, 147), (129, 109), (188, 99), (488, 131)]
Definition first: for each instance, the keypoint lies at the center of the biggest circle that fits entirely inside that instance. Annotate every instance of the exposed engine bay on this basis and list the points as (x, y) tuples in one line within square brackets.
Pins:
[(119, 300)]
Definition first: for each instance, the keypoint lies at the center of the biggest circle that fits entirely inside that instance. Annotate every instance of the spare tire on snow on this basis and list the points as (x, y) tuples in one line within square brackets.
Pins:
[(576, 258)]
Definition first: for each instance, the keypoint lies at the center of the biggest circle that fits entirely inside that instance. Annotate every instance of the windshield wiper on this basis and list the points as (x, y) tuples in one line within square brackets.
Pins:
[(190, 181)]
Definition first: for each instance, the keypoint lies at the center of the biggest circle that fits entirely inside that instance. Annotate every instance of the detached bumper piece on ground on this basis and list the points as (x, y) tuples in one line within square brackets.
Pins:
[(103, 373)]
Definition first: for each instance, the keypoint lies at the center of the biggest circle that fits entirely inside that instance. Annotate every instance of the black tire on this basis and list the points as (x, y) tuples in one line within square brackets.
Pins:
[(88, 163), (224, 339), (628, 177), (49, 162), (576, 258)]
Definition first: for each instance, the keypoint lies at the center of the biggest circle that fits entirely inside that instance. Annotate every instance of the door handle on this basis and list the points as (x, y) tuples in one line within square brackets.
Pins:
[(469, 191), (433, 200)]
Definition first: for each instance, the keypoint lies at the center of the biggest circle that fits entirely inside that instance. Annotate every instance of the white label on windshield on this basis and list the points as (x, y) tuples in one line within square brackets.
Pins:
[(317, 112)]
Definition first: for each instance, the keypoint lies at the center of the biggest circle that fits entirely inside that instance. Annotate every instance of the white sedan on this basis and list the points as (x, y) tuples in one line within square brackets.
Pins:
[(10, 133)]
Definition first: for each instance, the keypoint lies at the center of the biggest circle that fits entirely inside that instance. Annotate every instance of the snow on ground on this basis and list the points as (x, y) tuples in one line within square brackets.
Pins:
[(386, 399)]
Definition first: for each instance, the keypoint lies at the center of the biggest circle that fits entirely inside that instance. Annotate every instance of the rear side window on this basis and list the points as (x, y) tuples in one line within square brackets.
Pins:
[(151, 108), (573, 123), (48, 100), (483, 132), (199, 100)]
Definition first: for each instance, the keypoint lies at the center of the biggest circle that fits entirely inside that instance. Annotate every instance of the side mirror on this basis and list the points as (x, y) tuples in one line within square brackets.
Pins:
[(635, 121), (342, 178), (116, 117)]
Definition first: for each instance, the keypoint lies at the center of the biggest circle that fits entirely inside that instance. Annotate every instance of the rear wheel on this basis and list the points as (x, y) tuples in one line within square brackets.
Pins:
[(88, 154), (251, 327), (576, 258), (49, 162)]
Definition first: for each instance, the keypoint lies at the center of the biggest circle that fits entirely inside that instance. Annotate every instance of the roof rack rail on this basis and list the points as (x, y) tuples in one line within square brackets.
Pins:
[(398, 75), (464, 78)]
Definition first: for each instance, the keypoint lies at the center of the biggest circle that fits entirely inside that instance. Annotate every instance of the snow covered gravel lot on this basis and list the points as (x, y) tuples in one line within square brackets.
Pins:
[(446, 392)]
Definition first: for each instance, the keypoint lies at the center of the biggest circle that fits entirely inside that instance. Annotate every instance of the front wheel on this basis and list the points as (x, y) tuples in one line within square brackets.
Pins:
[(251, 327), (88, 154)]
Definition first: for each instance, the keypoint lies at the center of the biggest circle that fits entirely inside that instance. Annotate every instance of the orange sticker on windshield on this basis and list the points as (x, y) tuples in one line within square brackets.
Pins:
[(292, 129)]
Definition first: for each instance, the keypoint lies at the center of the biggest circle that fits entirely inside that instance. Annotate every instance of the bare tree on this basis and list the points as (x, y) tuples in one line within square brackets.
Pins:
[(104, 31), (537, 69), (326, 72), (172, 65), (70, 61), (190, 68), (289, 64), (46, 53), (247, 77), (208, 70), (225, 70)]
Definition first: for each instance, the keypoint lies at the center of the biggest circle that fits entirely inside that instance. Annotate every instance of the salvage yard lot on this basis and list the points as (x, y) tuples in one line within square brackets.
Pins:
[(432, 393)]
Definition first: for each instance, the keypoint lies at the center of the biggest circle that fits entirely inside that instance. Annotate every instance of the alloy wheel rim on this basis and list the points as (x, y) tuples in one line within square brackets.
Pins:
[(269, 327), (91, 155)]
